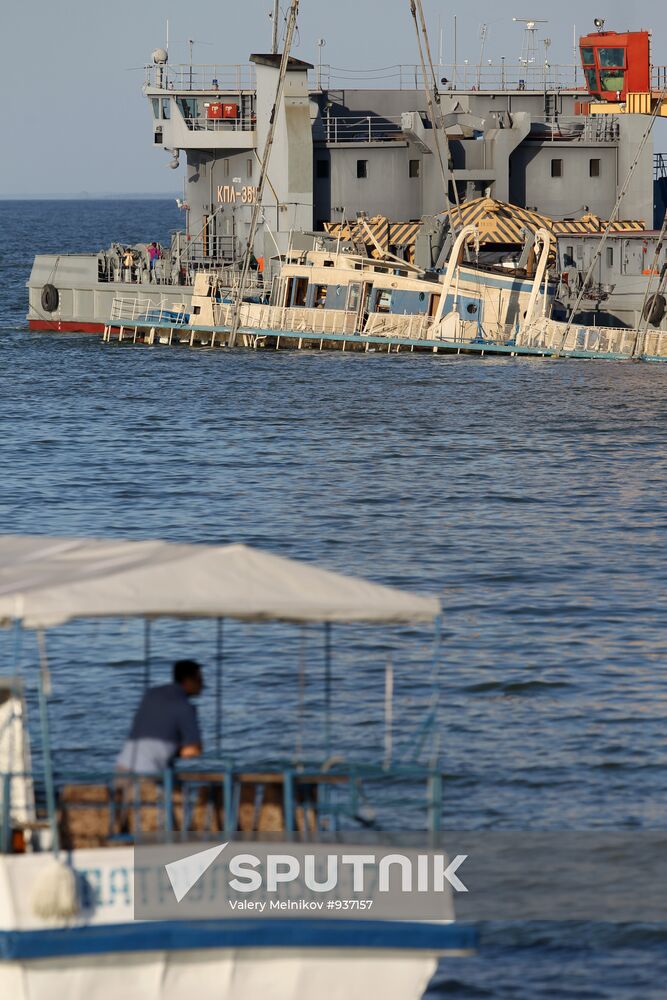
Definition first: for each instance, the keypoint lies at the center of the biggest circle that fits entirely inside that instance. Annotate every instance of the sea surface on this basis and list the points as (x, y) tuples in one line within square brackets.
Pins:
[(530, 495)]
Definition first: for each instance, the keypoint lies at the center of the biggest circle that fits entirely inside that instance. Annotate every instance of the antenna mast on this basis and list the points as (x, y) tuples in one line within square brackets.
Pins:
[(275, 17), (529, 45)]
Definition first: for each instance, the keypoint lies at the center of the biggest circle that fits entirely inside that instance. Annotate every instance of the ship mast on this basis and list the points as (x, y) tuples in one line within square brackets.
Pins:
[(275, 17)]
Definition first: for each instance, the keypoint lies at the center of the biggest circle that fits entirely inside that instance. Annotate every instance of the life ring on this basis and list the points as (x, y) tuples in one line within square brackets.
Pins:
[(50, 298), (654, 310)]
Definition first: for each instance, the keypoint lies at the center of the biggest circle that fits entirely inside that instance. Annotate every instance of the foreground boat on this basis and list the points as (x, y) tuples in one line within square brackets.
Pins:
[(67, 900)]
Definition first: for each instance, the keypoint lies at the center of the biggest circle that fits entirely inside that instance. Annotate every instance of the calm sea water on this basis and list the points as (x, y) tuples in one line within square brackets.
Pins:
[(531, 495)]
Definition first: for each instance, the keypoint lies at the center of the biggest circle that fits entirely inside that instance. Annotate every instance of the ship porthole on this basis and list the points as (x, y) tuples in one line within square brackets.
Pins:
[(471, 308), (50, 298)]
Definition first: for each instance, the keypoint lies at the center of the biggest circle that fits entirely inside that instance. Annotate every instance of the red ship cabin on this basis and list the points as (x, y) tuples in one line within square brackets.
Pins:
[(616, 64)]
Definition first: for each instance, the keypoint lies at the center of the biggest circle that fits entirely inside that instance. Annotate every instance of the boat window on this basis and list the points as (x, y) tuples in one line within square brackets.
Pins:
[(383, 304), (587, 57), (300, 291), (226, 167), (188, 106), (156, 107), (556, 168), (591, 79), (594, 168), (362, 169), (611, 57), (610, 256), (353, 298), (471, 308), (249, 166), (612, 80), (320, 296), (414, 168), (322, 169), (166, 107)]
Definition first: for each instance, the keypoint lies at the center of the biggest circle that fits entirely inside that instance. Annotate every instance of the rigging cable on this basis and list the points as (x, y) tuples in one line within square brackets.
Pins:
[(266, 156), (646, 311), (433, 97)]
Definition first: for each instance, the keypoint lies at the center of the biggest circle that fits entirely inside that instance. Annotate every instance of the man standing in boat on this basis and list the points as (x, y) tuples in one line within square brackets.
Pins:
[(165, 725)]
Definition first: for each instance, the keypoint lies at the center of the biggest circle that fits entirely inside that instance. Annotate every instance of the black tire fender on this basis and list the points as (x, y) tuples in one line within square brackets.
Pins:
[(50, 298), (655, 308)]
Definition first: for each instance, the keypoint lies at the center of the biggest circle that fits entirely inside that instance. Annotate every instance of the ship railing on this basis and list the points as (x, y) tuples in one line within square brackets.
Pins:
[(142, 312), (569, 128), (96, 807), (468, 75), (288, 319), (548, 334), (368, 128), (248, 123), (212, 78), (392, 325)]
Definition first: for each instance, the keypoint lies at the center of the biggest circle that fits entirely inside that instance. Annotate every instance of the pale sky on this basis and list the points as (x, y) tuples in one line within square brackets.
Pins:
[(73, 117)]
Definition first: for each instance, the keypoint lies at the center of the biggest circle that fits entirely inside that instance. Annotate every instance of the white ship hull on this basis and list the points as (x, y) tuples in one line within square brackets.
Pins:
[(103, 954)]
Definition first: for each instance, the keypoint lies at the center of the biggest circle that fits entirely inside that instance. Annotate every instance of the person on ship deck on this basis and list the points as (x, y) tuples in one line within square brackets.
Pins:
[(165, 725)]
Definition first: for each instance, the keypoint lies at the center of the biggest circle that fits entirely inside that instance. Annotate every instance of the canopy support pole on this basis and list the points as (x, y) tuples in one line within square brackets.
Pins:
[(327, 689), (147, 652), (44, 692), (388, 710), (218, 685), (435, 683)]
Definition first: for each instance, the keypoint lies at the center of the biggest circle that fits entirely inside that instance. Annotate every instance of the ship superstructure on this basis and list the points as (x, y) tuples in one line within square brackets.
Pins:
[(522, 135)]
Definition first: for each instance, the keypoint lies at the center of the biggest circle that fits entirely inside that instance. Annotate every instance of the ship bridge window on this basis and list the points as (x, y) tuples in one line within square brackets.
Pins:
[(612, 80), (155, 101), (591, 79), (188, 106), (166, 107), (612, 57), (587, 57)]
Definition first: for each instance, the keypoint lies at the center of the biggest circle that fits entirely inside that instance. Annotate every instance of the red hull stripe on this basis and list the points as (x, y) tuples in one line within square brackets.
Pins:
[(65, 326)]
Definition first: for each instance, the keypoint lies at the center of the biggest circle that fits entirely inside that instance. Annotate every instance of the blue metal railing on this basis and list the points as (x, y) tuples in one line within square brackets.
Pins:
[(210, 797)]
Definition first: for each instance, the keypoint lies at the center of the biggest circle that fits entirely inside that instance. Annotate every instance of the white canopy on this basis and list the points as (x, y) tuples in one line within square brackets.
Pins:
[(47, 581)]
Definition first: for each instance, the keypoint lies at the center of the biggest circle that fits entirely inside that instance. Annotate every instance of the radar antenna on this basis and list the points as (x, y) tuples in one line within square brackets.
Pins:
[(529, 44)]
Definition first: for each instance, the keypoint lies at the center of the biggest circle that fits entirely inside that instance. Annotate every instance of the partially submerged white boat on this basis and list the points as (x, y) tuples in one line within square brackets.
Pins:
[(67, 926), (330, 298)]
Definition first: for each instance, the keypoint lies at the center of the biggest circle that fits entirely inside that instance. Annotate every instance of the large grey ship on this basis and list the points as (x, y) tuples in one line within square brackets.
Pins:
[(517, 134)]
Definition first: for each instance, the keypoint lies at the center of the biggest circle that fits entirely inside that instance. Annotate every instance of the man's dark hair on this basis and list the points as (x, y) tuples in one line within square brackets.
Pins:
[(186, 670)]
